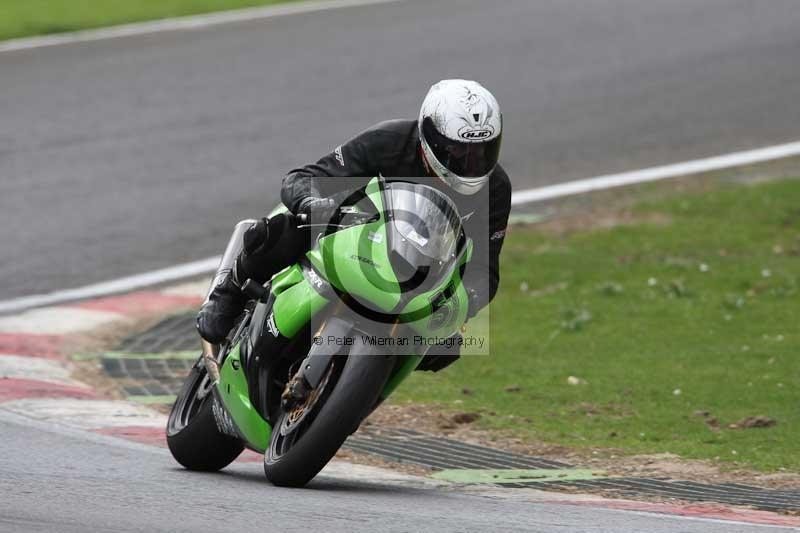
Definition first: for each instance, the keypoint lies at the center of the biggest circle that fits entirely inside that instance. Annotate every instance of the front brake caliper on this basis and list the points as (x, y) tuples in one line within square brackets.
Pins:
[(295, 392)]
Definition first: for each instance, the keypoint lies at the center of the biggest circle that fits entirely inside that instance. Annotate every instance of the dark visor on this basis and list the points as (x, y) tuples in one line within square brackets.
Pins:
[(466, 159)]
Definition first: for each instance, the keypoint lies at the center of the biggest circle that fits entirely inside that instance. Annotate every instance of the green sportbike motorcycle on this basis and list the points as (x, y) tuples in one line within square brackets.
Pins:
[(326, 340)]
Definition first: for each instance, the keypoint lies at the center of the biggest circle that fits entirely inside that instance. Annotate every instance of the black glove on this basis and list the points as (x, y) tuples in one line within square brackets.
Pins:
[(317, 210), (256, 236)]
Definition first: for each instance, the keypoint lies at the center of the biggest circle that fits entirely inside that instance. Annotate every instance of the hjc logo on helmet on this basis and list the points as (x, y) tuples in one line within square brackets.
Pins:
[(475, 134)]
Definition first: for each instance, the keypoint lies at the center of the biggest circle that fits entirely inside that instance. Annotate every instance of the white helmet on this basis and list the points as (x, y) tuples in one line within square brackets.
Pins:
[(460, 129)]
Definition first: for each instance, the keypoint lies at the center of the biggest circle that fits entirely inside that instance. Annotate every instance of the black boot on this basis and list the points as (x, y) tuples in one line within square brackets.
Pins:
[(220, 310)]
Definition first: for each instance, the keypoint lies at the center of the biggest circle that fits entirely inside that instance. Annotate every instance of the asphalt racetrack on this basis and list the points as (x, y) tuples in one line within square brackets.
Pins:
[(64, 482), (127, 155)]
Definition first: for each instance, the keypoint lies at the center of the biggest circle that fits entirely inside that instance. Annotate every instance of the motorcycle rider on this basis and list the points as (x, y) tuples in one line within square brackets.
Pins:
[(455, 140)]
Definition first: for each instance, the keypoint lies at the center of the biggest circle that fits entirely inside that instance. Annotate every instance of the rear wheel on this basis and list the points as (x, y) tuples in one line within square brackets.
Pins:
[(192, 434), (304, 439)]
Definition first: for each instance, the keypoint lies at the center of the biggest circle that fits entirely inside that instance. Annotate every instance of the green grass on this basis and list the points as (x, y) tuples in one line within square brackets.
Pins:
[(705, 302), (22, 18)]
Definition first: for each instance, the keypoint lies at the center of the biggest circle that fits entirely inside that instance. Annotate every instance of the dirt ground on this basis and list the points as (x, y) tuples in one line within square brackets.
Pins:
[(436, 421)]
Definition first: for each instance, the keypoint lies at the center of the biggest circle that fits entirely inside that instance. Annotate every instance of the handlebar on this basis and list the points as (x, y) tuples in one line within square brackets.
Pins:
[(360, 217)]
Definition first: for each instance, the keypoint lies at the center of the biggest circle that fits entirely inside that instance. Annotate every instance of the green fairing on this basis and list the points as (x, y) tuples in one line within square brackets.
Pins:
[(286, 278), (446, 319), (358, 266), (233, 390), (449, 315), (296, 301), (355, 260)]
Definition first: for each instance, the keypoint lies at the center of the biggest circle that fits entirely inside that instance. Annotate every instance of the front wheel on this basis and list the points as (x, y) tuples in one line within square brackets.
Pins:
[(304, 439), (192, 434)]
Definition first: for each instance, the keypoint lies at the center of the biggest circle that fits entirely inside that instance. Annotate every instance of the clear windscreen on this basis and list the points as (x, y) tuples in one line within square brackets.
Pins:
[(425, 218)]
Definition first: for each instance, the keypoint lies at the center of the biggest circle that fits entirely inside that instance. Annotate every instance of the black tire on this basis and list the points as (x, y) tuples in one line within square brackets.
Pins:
[(341, 411), (192, 434)]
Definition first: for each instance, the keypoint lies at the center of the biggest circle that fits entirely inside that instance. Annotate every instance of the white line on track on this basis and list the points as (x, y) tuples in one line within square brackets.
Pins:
[(686, 168), (608, 181), (191, 22), (116, 286)]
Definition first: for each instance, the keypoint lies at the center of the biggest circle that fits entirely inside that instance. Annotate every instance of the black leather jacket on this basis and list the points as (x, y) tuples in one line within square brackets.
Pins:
[(392, 149)]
